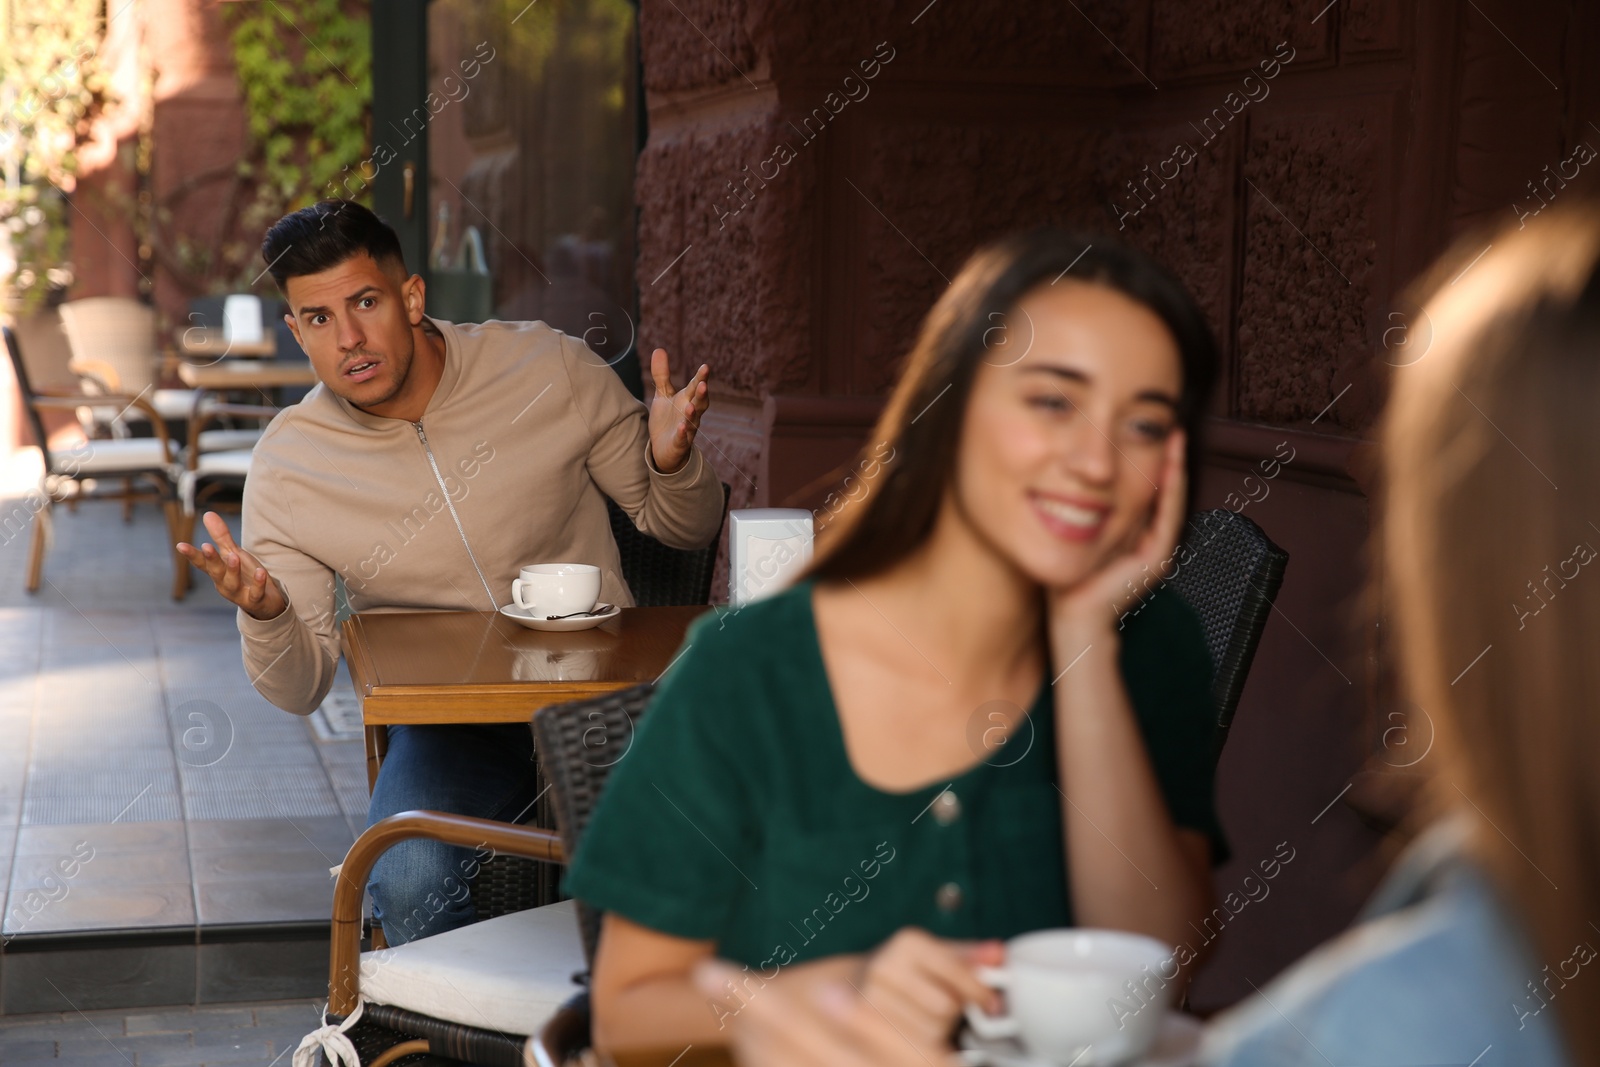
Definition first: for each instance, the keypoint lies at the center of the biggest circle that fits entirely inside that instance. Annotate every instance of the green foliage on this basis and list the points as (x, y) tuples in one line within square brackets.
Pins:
[(305, 72), (49, 87)]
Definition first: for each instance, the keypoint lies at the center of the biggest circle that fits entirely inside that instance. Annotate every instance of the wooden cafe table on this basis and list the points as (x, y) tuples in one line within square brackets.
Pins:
[(230, 374), (477, 666), (199, 342)]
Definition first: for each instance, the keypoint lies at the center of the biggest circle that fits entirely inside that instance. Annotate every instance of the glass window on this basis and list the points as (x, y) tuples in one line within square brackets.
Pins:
[(531, 151)]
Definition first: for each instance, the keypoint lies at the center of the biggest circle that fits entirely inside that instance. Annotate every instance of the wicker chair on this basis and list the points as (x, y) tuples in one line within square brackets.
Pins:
[(147, 461), (1231, 578), (113, 341), (412, 999), (208, 470), (658, 575), (578, 743)]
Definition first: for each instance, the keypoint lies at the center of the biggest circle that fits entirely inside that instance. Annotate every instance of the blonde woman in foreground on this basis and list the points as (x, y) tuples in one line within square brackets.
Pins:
[(1479, 948)]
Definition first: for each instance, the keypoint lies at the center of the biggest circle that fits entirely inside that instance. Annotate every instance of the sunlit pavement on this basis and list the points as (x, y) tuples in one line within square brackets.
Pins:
[(155, 812), (238, 1035)]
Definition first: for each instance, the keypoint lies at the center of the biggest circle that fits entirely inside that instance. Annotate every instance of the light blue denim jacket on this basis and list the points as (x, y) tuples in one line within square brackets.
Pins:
[(1437, 972)]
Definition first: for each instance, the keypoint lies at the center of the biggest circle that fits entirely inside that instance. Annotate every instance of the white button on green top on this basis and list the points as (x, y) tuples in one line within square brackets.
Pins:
[(946, 808)]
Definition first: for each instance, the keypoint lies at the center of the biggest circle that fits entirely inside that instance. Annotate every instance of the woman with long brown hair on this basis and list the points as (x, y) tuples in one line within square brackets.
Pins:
[(952, 729), (1480, 946)]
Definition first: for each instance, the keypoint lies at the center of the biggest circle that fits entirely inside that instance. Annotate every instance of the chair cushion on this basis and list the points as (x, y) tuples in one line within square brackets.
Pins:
[(235, 462), (226, 440), (173, 404), (112, 456), (507, 974)]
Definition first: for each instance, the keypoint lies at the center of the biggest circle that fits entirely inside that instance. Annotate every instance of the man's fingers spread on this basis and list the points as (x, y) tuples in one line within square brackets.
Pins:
[(218, 529), (661, 371)]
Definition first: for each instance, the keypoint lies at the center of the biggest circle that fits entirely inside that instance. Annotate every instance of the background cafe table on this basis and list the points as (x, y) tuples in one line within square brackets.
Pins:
[(247, 374), (476, 666), (199, 342)]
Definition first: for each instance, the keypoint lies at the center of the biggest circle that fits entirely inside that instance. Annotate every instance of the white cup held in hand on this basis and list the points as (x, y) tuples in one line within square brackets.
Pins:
[(556, 588), (1089, 997)]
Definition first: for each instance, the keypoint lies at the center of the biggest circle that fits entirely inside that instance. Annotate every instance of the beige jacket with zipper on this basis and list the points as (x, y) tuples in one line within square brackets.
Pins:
[(525, 432)]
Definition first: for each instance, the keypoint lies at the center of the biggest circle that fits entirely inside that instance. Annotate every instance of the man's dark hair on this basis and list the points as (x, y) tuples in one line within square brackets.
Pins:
[(324, 235)]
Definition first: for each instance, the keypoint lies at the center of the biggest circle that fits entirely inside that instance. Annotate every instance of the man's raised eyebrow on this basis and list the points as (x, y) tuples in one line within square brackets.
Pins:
[(357, 295)]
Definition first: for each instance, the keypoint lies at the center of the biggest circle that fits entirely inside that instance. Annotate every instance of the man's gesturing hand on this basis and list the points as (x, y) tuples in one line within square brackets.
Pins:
[(238, 575), (675, 414)]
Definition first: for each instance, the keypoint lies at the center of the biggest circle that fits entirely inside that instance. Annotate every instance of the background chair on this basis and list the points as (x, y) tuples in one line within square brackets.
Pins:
[(1232, 578), (468, 995), (423, 996), (69, 475), (113, 342), (659, 575), (207, 471), (578, 744)]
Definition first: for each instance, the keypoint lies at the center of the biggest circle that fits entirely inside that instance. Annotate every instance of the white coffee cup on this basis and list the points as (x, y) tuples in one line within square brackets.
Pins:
[(1080, 996), (556, 588)]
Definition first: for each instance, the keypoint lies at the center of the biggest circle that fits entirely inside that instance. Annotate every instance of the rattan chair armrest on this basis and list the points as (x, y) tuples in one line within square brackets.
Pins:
[(344, 966), (563, 1036), (157, 423), (65, 401), (100, 371), (206, 413), (242, 411), (59, 400)]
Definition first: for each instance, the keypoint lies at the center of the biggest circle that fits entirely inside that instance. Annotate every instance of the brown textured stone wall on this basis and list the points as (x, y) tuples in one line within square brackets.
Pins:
[(1300, 217), (1307, 270)]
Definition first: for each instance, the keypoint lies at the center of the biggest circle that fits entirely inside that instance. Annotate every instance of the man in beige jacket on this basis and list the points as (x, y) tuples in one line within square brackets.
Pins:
[(433, 461)]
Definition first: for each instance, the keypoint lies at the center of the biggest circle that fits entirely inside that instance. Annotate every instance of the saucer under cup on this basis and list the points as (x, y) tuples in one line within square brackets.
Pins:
[(545, 589), (1084, 996), (522, 617)]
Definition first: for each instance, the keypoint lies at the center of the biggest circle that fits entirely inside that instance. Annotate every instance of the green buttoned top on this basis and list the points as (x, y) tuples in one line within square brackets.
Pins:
[(735, 815)]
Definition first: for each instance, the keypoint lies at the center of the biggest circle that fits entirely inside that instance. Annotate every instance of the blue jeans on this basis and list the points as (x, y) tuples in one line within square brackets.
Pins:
[(421, 887)]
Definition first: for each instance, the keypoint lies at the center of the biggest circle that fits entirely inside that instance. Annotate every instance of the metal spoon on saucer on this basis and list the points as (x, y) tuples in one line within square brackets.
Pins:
[(598, 609)]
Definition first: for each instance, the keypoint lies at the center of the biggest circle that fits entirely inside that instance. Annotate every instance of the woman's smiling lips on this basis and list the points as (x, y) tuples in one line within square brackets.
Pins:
[(1071, 519)]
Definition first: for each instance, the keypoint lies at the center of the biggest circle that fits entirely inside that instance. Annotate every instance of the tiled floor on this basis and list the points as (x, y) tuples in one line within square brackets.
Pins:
[(144, 785), (238, 1035)]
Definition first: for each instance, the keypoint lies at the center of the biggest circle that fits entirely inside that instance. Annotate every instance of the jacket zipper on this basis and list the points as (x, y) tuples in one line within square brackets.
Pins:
[(423, 436)]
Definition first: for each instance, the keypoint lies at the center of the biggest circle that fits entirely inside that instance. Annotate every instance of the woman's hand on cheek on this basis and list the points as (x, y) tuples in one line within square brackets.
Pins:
[(1094, 607), (921, 983)]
